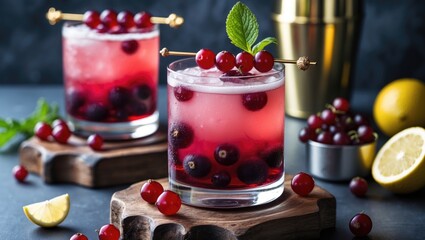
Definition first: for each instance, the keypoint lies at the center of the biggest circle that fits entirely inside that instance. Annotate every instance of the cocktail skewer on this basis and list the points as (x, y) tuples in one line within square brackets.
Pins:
[(54, 16), (303, 63)]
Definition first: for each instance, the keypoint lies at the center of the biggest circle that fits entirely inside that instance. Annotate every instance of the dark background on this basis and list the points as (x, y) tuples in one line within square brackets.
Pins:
[(392, 43)]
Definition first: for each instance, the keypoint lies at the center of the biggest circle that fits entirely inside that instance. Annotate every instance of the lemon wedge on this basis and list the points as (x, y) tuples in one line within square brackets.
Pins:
[(400, 164), (48, 213)]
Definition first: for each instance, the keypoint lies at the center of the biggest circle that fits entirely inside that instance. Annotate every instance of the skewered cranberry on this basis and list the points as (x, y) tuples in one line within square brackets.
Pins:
[(205, 58), (263, 61), (225, 61), (143, 20), (126, 19), (244, 62), (91, 19), (108, 18)]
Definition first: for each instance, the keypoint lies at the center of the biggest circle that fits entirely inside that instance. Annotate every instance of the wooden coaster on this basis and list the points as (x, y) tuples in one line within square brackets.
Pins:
[(120, 162), (288, 217)]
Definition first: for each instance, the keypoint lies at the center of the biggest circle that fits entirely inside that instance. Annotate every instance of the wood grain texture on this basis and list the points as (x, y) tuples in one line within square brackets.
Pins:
[(118, 163), (288, 217)]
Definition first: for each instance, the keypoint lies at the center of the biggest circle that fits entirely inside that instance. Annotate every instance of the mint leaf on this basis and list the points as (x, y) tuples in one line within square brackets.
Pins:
[(261, 45), (9, 128), (242, 27)]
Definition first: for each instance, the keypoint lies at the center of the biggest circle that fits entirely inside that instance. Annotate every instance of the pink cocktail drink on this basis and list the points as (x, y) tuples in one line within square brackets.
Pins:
[(111, 81), (225, 135)]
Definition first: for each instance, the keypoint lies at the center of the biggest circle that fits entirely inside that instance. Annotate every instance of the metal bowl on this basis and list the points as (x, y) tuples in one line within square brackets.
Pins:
[(340, 163)]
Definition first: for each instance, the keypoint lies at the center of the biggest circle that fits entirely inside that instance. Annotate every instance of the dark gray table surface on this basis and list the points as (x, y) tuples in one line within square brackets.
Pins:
[(393, 216)]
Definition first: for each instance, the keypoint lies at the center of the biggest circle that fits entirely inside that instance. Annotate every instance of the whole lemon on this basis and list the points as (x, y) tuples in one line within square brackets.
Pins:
[(400, 105)]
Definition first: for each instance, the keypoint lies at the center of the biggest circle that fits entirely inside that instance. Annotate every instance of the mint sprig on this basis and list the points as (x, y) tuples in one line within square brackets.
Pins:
[(10, 128), (242, 29)]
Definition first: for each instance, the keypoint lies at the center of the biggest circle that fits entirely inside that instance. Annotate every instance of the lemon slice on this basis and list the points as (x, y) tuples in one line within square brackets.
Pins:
[(48, 213), (400, 164)]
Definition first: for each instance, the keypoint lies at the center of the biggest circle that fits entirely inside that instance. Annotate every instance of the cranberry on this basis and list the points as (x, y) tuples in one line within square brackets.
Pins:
[(253, 171), (325, 138), (126, 19), (226, 154), (365, 134), (341, 104), (61, 134), (109, 232), (43, 131), (360, 225), (108, 18), (130, 46), (221, 179), (359, 120), (263, 61), (78, 236), (119, 96), (205, 58), (273, 157), (346, 122), (75, 100), (20, 173), (138, 108), (143, 20), (197, 166), (341, 138), (182, 94), (96, 112), (142, 91), (168, 203), (225, 61), (244, 62), (151, 190), (95, 142), (254, 101), (314, 121), (328, 116), (306, 134), (180, 135), (302, 184), (58, 122), (358, 186), (91, 19)]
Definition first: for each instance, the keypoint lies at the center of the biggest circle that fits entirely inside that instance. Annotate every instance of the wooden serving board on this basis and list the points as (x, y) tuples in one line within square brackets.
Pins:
[(120, 162), (288, 217)]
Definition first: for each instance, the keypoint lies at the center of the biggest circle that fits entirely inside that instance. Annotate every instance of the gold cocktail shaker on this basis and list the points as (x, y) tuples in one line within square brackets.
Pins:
[(326, 31)]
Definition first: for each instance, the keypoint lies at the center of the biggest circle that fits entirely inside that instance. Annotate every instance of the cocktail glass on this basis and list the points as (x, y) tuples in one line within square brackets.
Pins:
[(225, 135), (111, 81)]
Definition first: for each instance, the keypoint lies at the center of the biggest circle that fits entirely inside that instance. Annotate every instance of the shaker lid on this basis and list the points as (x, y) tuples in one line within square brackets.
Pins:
[(316, 11)]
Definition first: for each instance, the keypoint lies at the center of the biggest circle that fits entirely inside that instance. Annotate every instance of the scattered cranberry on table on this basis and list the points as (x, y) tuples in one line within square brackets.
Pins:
[(95, 142), (20, 173), (302, 184), (358, 186), (61, 134), (109, 232), (151, 190), (168, 203), (43, 131), (78, 236), (360, 225)]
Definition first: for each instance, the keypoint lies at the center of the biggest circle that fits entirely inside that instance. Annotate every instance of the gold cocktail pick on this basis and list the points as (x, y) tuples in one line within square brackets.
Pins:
[(303, 63), (54, 16)]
